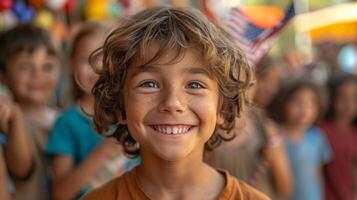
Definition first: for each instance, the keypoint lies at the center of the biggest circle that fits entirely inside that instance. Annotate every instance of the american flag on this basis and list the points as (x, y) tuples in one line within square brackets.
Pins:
[(253, 40)]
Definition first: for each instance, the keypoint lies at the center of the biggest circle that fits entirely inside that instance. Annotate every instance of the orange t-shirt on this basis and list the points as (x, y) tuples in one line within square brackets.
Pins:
[(126, 187)]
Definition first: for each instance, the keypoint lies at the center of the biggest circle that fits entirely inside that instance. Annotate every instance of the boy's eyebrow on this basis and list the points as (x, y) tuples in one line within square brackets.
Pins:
[(199, 70), (144, 68), (191, 70)]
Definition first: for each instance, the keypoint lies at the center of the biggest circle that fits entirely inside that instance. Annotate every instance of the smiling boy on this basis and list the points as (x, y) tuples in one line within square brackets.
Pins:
[(169, 79)]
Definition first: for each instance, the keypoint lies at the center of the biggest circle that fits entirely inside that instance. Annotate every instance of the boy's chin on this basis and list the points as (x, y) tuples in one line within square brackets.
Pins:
[(174, 160), (172, 157), (176, 155)]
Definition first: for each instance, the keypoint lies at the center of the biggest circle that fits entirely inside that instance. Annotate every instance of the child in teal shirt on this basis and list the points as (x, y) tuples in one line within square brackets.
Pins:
[(80, 157)]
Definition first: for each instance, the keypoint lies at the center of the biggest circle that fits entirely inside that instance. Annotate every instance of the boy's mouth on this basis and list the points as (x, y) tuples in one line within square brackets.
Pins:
[(172, 129)]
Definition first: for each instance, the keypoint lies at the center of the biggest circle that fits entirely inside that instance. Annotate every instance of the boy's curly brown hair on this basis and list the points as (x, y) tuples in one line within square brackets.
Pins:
[(175, 30)]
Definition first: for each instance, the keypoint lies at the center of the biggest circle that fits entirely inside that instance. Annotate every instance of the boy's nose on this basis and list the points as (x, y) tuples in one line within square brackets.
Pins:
[(171, 101)]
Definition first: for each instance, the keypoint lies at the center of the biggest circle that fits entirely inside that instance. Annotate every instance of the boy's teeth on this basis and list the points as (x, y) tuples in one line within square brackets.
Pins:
[(172, 129)]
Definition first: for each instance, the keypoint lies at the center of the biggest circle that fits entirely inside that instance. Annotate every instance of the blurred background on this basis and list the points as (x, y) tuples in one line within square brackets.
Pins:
[(298, 141)]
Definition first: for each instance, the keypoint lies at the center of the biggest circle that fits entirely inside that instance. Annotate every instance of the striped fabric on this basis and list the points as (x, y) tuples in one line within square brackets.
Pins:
[(113, 167)]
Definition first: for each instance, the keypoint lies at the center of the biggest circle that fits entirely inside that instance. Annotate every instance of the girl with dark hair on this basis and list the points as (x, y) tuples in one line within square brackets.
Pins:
[(340, 127), (297, 108)]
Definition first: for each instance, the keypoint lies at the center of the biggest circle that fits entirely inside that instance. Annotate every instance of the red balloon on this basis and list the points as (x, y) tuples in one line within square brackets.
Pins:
[(125, 3), (69, 5), (5, 5)]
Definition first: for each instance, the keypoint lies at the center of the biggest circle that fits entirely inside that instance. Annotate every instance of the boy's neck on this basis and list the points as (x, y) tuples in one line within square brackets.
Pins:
[(182, 179)]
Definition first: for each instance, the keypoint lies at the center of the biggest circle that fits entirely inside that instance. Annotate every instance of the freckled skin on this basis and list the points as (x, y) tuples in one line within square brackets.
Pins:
[(170, 94)]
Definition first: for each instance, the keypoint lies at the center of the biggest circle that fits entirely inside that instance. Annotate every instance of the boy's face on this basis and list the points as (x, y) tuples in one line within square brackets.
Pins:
[(32, 77), (171, 109)]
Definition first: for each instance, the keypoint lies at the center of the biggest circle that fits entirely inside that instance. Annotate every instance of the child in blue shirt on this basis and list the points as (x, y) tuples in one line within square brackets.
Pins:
[(297, 107)]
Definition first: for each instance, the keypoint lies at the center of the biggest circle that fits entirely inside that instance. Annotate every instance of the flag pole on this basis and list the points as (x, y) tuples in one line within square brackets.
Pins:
[(303, 41)]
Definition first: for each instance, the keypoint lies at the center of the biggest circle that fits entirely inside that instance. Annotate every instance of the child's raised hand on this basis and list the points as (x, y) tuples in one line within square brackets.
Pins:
[(274, 139), (9, 112)]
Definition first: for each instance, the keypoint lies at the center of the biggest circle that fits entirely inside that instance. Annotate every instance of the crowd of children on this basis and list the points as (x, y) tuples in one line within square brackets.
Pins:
[(189, 119), (48, 154)]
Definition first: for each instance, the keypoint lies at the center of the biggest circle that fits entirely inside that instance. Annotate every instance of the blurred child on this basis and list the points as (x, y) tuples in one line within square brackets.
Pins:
[(30, 67), (296, 108), (268, 81), (341, 131), (259, 153), (77, 152), (169, 78)]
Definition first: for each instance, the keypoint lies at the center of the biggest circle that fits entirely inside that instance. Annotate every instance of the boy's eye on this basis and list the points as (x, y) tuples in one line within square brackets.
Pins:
[(149, 84), (194, 85)]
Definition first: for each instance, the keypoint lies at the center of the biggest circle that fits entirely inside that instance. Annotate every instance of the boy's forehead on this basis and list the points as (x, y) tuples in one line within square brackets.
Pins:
[(154, 54), (187, 63)]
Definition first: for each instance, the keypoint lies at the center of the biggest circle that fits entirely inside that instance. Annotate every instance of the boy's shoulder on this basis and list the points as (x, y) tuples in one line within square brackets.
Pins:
[(123, 187), (236, 189), (233, 190)]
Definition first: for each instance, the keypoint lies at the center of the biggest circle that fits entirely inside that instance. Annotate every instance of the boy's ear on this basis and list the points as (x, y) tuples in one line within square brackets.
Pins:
[(120, 119)]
